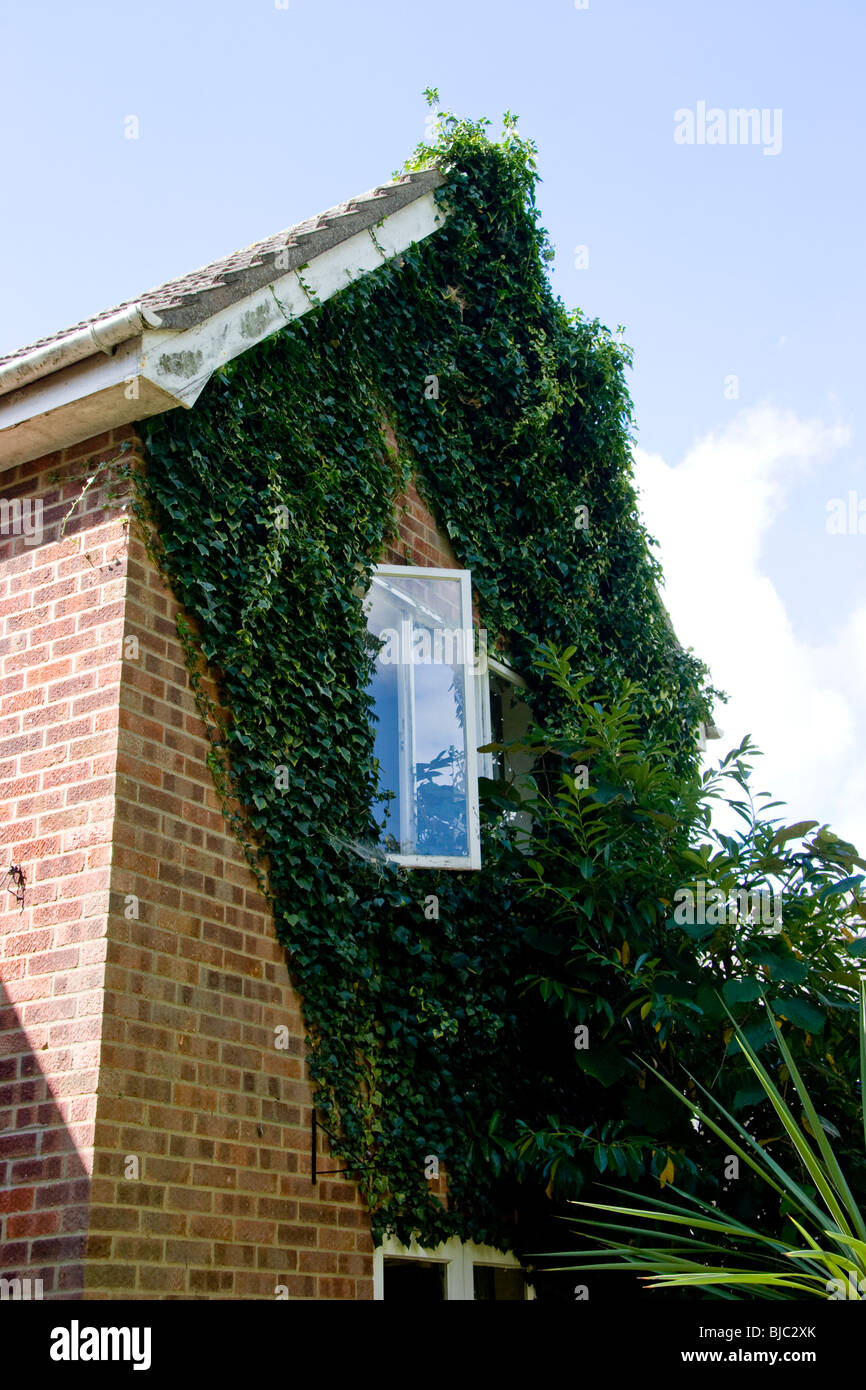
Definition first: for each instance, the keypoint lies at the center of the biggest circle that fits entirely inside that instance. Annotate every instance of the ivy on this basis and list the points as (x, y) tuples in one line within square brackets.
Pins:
[(267, 507)]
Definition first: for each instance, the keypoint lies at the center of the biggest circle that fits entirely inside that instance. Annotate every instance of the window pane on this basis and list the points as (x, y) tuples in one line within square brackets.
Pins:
[(419, 688), (414, 1281), (494, 1282)]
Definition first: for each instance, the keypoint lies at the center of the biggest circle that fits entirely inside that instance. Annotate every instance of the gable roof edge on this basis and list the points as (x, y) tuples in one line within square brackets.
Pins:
[(149, 356)]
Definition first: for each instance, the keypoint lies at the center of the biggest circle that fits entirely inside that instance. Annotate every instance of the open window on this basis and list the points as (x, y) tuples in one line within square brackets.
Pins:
[(503, 719), (438, 697), (426, 709)]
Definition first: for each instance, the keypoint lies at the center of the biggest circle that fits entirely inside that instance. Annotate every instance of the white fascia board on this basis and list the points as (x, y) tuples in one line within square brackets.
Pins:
[(161, 370), (71, 384), (76, 404)]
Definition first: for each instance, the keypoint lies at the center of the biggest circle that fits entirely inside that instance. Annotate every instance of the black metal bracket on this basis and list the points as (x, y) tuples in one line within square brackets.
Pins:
[(19, 883)]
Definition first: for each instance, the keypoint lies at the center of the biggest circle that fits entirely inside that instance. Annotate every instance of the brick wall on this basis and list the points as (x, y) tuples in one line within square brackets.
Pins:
[(195, 1096), (61, 616), (419, 540), (154, 1139)]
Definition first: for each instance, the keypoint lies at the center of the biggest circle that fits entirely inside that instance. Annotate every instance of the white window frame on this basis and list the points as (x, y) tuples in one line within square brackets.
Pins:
[(482, 678), (472, 860), (459, 1258)]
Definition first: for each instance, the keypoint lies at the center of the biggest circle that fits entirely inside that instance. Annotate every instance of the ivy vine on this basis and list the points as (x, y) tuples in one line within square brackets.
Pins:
[(270, 502)]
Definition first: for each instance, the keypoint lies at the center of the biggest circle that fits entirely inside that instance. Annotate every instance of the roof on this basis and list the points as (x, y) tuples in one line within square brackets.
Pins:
[(158, 352), (191, 298)]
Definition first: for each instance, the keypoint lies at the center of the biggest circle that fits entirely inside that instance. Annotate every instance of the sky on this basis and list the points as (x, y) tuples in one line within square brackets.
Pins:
[(731, 254)]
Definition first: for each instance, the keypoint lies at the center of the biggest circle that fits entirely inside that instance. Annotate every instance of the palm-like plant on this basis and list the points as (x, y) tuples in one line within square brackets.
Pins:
[(725, 1257)]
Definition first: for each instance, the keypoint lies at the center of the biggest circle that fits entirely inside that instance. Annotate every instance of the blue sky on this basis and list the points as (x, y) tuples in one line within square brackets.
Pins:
[(721, 261)]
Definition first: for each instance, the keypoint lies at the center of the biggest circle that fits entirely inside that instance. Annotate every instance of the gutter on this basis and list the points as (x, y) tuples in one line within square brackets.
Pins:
[(102, 336)]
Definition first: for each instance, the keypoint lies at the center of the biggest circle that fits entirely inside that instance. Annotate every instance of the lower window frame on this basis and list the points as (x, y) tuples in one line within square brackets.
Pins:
[(459, 1258)]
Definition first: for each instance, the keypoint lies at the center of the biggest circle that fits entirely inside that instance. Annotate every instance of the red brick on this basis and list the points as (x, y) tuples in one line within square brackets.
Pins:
[(16, 1198), (186, 1077)]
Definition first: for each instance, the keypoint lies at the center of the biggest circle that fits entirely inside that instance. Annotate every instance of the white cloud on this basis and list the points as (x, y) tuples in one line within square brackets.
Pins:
[(803, 704)]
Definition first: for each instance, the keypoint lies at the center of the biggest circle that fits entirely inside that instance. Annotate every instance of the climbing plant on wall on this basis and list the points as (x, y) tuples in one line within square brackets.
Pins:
[(268, 505)]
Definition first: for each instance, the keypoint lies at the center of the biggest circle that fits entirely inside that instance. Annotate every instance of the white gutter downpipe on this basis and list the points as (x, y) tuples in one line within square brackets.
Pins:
[(102, 336)]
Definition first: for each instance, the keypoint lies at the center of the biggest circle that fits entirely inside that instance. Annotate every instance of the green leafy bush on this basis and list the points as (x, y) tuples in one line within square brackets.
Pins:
[(821, 1252), (618, 838)]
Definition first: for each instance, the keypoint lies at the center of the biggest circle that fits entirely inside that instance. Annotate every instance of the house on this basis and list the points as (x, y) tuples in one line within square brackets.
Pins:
[(189, 486)]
